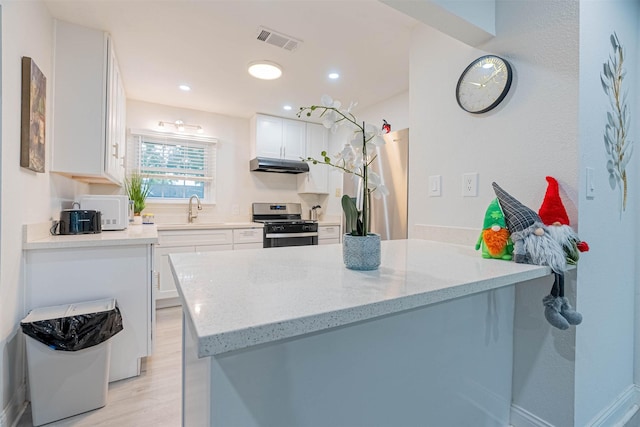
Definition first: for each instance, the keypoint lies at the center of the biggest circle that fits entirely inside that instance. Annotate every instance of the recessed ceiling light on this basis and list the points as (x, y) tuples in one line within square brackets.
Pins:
[(265, 70), (287, 107), (185, 88), (334, 76)]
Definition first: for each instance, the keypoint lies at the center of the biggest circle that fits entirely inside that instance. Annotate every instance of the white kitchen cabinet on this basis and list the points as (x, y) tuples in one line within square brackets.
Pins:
[(89, 106), (278, 138), (317, 179), (60, 275), (328, 234), (181, 241), (248, 238)]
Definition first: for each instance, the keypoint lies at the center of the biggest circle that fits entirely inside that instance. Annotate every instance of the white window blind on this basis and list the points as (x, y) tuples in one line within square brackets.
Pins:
[(175, 166)]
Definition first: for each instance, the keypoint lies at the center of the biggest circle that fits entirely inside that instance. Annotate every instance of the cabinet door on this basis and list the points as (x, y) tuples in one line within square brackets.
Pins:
[(269, 137), (166, 284), (317, 179), (293, 139), (112, 148)]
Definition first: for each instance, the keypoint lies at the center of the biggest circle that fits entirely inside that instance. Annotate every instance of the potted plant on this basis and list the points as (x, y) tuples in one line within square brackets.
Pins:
[(137, 190), (361, 249)]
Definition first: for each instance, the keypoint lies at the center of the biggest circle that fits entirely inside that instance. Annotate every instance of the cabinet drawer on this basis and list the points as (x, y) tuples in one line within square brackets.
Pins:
[(328, 232), (195, 237), (247, 235)]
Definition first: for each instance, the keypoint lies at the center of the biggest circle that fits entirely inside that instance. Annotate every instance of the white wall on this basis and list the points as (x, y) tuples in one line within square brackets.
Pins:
[(550, 124), (394, 110), (27, 197), (533, 133), (607, 276)]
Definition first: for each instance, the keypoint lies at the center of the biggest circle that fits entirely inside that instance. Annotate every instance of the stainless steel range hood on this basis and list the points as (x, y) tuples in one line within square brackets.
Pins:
[(264, 164)]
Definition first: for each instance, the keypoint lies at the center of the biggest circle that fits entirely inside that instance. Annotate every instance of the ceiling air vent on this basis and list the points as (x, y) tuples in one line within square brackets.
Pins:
[(278, 39)]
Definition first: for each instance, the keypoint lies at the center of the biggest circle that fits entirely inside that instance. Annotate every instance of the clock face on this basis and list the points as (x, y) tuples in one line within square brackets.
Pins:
[(483, 84)]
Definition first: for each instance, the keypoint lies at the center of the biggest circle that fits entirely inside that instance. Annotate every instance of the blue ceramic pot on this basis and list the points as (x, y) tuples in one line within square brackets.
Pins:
[(361, 252)]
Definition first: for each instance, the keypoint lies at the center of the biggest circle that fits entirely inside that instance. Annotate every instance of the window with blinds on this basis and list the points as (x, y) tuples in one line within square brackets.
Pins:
[(175, 166)]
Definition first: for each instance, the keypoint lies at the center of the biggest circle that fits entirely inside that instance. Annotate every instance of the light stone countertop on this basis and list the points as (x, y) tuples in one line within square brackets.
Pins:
[(238, 299), (37, 236)]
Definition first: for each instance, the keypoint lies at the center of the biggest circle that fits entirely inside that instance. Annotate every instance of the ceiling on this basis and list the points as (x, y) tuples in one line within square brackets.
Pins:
[(208, 44)]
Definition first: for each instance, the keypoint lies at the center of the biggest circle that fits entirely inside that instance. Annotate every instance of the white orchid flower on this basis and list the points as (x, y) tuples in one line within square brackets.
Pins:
[(374, 183), (347, 156), (331, 117), (373, 135)]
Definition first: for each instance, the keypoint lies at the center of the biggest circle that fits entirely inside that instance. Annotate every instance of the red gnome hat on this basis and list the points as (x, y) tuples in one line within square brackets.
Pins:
[(552, 209)]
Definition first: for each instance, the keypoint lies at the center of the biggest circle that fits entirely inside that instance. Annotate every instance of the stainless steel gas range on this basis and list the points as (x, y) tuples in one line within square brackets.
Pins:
[(284, 226)]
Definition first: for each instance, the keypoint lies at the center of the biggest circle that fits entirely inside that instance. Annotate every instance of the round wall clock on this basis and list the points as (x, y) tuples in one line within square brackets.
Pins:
[(483, 84)]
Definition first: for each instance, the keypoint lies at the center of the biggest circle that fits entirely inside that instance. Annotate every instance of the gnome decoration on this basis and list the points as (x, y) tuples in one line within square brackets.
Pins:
[(554, 215), (494, 238), (533, 244)]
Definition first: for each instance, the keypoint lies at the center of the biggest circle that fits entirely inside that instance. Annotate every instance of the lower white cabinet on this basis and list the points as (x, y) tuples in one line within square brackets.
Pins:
[(202, 240), (248, 238), (328, 234), (60, 276), (181, 241)]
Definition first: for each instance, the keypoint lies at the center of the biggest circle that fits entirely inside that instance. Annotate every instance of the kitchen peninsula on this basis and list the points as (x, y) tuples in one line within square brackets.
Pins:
[(289, 336)]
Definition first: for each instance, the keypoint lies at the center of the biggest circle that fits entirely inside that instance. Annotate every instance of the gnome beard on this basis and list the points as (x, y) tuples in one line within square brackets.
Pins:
[(568, 239), (495, 241), (538, 247)]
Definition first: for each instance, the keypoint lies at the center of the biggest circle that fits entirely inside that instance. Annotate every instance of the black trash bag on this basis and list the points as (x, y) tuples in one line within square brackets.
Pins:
[(75, 333)]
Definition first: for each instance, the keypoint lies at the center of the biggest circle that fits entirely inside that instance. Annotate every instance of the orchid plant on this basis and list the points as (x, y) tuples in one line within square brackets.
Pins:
[(356, 157)]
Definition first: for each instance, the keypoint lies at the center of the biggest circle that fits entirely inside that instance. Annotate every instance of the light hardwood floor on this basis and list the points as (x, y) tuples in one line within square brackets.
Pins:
[(151, 399)]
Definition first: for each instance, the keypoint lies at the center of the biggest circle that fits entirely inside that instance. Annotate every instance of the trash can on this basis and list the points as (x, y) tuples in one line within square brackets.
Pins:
[(68, 355)]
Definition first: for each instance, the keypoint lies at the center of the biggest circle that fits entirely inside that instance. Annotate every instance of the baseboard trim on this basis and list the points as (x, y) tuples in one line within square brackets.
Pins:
[(520, 417), (168, 302), (13, 411), (621, 410)]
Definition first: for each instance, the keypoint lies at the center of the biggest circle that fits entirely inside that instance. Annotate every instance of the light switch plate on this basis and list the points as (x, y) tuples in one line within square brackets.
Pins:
[(470, 184), (435, 186)]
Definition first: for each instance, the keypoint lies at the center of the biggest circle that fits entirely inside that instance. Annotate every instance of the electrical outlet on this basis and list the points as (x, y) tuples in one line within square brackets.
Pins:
[(338, 192), (435, 185), (470, 185), (235, 210)]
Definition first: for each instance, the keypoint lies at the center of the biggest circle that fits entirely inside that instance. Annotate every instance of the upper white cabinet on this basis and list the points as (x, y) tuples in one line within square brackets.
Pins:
[(316, 180), (278, 138), (89, 106)]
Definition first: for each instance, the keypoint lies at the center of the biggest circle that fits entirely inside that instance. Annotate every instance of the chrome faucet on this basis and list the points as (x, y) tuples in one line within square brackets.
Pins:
[(191, 214)]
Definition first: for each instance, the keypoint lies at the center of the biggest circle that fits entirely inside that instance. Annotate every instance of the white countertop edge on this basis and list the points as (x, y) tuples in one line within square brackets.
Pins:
[(134, 235), (209, 226), (235, 340)]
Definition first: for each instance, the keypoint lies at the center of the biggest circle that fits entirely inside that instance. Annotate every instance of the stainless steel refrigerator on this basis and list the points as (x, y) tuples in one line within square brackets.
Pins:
[(389, 214)]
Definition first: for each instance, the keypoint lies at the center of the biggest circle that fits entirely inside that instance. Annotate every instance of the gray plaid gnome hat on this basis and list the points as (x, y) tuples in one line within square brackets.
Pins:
[(517, 216)]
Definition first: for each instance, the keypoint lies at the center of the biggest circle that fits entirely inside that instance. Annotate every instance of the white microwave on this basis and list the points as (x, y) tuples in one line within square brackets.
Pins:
[(114, 210)]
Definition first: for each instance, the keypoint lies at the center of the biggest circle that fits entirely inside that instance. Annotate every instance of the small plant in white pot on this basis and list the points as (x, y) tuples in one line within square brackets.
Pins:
[(137, 190), (361, 249)]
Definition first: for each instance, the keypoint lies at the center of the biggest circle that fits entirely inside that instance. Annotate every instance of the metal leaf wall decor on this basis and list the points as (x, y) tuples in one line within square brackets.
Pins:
[(616, 132)]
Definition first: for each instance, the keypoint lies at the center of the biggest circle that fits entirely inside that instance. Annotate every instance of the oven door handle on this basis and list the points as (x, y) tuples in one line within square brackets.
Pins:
[(286, 235)]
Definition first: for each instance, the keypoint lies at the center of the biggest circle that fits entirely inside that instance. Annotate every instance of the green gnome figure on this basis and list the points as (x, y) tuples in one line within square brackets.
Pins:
[(494, 238)]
